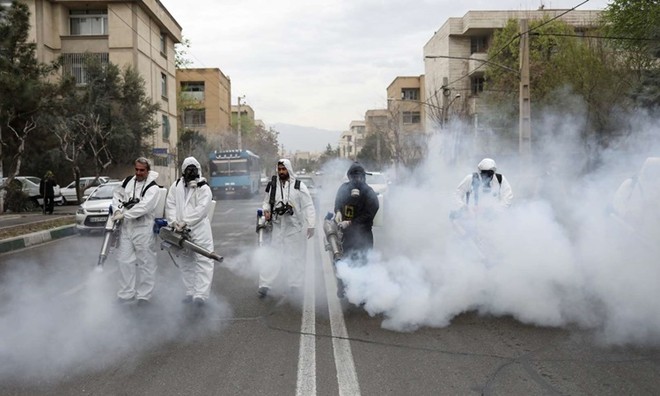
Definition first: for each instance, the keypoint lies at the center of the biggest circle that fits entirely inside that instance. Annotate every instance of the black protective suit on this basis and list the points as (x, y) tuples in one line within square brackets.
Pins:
[(360, 209)]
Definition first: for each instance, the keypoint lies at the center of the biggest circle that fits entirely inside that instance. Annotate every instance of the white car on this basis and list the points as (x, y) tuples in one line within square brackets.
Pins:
[(311, 187), (31, 188), (378, 181), (69, 192), (93, 213)]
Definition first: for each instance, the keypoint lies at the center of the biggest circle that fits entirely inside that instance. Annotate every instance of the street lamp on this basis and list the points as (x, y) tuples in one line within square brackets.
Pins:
[(238, 123)]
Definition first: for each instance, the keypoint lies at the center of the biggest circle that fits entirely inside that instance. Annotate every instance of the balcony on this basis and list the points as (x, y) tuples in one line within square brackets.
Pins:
[(476, 63)]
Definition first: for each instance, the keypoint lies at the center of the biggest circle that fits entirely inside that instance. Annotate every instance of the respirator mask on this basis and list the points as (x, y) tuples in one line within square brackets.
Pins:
[(486, 177), (190, 176)]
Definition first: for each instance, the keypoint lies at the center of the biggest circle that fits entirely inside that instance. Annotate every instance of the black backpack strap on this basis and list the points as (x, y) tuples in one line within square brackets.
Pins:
[(296, 185), (202, 183), (499, 178), (125, 183), (271, 188), (153, 183)]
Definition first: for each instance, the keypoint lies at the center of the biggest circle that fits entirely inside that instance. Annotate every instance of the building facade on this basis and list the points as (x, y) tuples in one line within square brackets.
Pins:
[(204, 101), (455, 55), (136, 33), (405, 104), (352, 141)]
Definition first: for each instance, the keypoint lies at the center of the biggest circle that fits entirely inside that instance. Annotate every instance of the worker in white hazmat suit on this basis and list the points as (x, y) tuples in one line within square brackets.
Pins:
[(485, 188), (187, 206), (134, 204), (293, 217)]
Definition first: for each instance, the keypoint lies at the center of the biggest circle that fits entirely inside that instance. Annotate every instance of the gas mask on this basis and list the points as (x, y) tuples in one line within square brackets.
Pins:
[(190, 176), (486, 177)]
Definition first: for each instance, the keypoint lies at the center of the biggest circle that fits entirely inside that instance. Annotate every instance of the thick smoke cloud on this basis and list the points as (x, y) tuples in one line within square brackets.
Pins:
[(59, 325), (557, 257)]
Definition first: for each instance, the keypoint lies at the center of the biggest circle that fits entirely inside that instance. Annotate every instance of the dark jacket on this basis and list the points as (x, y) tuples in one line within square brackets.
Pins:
[(360, 210), (46, 188)]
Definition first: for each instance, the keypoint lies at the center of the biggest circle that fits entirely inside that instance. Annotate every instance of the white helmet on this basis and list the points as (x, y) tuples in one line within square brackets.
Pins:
[(487, 164)]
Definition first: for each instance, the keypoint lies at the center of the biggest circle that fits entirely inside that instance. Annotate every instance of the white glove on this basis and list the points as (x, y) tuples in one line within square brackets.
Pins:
[(179, 226), (344, 224), (117, 216), (338, 217)]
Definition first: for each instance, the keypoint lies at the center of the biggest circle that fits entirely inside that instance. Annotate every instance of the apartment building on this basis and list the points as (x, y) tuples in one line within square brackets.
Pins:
[(204, 101), (139, 33), (455, 55), (405, 104), (352, 141)]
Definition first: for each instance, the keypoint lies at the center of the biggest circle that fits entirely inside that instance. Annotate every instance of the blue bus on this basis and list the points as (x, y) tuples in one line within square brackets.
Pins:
[(234, 173)]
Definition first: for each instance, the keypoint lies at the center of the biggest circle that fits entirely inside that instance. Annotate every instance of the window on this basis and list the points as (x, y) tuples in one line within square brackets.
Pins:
[(477, 85), (163, 44), (88, 22), (410, 93), (411, 117), (194, 118), (74, 65), (193, 90), (478, 44), (163, 85), (166, 128)]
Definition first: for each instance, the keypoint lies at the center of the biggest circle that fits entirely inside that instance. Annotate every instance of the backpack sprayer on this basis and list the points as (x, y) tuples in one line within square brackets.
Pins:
[(333, 237)]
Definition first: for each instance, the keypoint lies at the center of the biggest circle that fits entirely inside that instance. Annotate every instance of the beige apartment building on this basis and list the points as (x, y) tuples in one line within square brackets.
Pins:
[(139, 33), (352, 141), (454, 58), (405, 104), (204, 101)]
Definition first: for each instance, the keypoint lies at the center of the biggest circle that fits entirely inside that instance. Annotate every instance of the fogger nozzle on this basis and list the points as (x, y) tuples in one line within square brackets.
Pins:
[(180, 241), (333, 239)]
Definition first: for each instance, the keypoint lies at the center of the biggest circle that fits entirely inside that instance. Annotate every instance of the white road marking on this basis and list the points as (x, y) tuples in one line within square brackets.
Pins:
[(347, 380), (306, 383)]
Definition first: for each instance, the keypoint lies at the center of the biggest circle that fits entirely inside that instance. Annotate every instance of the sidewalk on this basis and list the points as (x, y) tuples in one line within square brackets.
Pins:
[(10, 221)]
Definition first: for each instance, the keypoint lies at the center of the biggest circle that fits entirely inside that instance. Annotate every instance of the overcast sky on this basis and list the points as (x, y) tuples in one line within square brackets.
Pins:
[(321, 63)]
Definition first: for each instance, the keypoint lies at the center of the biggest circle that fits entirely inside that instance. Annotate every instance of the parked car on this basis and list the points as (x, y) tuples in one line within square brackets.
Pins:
[(93, 213), (69, 192), (378, 181), (31, 188), (89, 190), (311, 186)]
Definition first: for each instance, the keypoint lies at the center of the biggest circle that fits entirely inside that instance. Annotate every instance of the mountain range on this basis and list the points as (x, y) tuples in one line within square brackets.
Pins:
[(301, 138)]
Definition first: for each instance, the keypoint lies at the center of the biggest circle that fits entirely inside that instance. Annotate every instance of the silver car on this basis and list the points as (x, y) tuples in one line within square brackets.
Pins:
[(93, 213)]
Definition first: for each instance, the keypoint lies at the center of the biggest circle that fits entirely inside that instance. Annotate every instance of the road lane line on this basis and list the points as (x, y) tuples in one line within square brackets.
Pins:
[(347, 380), (306, 384)]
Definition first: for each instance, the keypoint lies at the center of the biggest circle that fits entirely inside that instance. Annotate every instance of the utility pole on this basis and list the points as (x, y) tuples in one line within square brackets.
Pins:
[(238, 123), (2, 201), (525, 127)]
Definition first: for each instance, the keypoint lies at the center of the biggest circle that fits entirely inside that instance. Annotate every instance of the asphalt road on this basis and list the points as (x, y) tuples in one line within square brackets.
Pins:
[(62, 333)]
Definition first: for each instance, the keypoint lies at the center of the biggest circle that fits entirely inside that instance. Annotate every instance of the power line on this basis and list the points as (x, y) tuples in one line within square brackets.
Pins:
[(517, 36), (597, 37)]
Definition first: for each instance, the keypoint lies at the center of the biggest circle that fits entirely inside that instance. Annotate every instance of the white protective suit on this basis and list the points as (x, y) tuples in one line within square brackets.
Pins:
[(136, 254), (637, 200), (191, 206), (498, 196), (289, 234)]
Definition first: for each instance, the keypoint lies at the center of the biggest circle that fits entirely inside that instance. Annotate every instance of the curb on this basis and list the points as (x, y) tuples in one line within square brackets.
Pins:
[(36, 238)]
